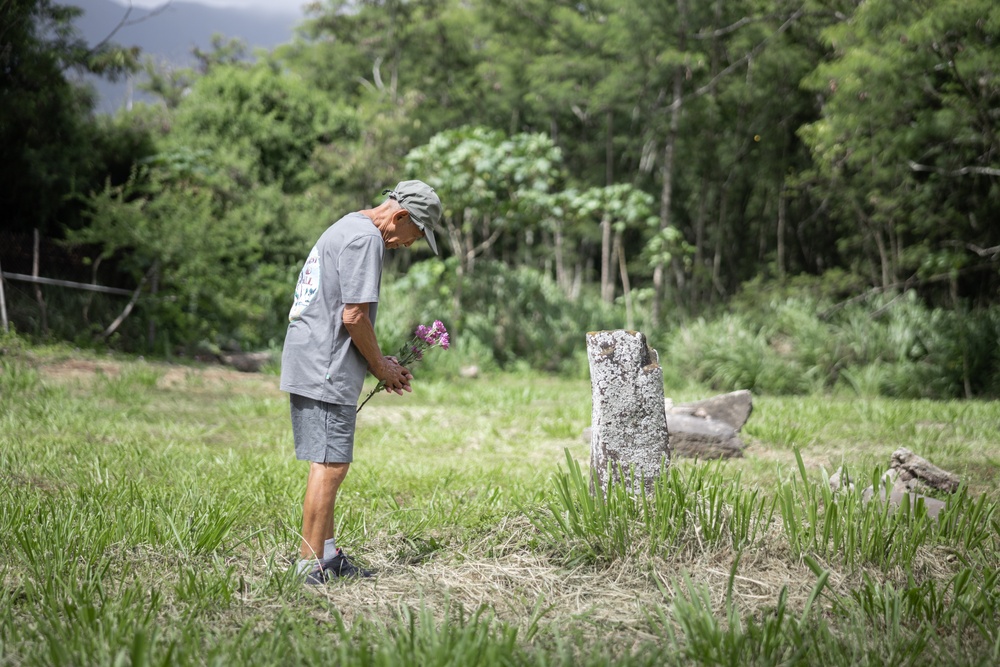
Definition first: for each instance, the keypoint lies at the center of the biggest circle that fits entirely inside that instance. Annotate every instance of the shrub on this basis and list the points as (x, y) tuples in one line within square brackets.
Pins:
[(499, 316), (890, 345)]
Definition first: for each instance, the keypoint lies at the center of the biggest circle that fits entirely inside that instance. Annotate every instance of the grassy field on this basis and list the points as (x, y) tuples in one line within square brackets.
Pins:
[(149, 513)]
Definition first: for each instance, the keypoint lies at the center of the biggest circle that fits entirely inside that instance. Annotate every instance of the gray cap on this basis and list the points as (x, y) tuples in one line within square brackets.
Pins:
[(423, 205)]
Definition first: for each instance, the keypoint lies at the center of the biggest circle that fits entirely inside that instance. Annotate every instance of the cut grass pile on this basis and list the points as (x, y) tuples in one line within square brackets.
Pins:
[(149, 513)]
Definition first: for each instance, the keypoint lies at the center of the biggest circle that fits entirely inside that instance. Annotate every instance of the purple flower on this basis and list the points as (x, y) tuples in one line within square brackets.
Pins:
[(424, 337)]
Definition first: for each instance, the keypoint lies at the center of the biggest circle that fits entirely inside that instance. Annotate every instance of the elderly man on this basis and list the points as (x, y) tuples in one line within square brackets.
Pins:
[(330, 345)]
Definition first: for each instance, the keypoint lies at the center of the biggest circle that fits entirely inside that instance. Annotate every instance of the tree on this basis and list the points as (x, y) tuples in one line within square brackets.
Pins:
[(908, 145), (495, 191), (619, 208), (265, 123), (45, 124), (221, 216)]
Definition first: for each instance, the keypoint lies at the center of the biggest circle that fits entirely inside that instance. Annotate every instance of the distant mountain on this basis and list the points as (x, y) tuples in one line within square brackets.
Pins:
[(170, 34)]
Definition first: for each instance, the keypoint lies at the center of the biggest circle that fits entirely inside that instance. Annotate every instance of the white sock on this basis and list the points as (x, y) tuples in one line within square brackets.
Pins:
[(329, 549), (306, 565)]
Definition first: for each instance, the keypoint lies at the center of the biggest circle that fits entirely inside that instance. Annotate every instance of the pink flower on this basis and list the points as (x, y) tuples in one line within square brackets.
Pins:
[(424, 337)]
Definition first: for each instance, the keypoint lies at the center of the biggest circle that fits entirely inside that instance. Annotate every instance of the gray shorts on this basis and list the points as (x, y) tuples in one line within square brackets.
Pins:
[(323, 432)]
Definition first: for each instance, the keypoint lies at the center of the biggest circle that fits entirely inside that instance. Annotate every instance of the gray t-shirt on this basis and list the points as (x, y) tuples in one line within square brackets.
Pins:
[(345, 266)]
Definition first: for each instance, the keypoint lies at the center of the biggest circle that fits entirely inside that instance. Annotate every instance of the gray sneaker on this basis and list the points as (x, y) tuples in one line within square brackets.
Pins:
[(316, 577), (341, 566)]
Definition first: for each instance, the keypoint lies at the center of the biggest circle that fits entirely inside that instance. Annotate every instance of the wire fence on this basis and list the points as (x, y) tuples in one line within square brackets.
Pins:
[(54, 288), (56, 259)]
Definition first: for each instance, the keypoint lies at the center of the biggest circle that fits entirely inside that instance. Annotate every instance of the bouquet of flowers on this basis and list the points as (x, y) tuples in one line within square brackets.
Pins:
[(424, 338)]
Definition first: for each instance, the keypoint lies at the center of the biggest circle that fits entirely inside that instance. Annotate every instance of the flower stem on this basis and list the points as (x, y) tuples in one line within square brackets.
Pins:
[(374, 391)]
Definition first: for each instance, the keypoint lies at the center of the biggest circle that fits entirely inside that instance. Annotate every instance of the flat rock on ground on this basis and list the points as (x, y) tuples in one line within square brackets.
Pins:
[(733, 408), (696, 437), (706, 429)]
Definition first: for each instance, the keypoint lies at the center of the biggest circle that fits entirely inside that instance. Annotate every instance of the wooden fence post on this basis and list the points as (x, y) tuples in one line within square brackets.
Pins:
[(38, 290), (3, 306)]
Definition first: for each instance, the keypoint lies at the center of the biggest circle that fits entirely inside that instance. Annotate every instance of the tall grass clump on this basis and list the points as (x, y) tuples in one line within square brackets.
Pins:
[(696, 634), (932, 623), (16, 377), (702, 505), (859, 532)]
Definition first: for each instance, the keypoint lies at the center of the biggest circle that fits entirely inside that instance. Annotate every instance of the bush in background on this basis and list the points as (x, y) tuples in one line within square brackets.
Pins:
[(800, 341)]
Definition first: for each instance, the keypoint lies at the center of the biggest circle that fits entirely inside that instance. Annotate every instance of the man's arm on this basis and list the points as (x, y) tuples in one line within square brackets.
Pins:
[(359, 325)]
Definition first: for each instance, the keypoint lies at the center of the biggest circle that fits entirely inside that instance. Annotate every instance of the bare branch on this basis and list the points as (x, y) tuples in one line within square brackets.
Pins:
[(992, 253), (473, 252), (708, 87), (125, 22), (747, 20), (984, 252), (131, 304), (964, 171), (913, 281), (39, 280)]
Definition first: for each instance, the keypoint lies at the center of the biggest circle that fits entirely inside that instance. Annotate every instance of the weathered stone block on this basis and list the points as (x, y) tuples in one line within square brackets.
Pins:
[(629, 425)]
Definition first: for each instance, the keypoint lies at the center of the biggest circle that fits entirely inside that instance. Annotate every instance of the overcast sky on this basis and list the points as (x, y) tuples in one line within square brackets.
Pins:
[(283, 6)]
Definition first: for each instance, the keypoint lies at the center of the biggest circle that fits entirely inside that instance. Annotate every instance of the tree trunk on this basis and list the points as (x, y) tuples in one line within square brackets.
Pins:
[(781, 231), (717, 258), (89, 298), (887, 278), (666, 193), (667, 170), (561, 278), (607, 287), (574, 292), (626, 286), (469, 245), (609, 149), (699, 249), (154, 288)]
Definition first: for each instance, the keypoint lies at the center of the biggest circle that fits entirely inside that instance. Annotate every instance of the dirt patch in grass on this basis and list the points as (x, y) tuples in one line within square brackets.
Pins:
[(78, 369), (171, 376)]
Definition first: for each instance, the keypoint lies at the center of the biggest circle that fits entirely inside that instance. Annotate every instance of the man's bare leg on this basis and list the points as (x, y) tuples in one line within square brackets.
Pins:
[(317, 508)]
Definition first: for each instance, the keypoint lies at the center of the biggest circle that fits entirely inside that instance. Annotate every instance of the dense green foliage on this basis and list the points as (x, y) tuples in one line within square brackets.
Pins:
[(149, 515), (52, 149), (801, 343), (620, 164), (220, 215)]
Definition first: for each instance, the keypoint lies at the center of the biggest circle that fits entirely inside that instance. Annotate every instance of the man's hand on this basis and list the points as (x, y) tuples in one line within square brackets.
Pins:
[(386, 369), (395, 376)]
